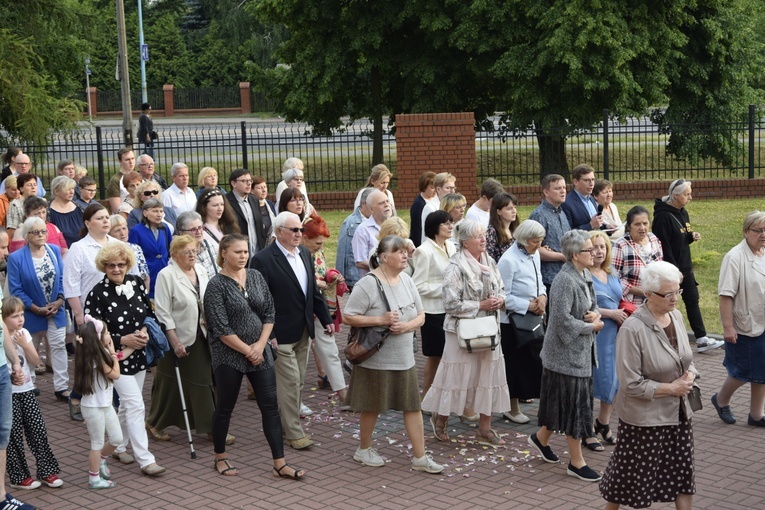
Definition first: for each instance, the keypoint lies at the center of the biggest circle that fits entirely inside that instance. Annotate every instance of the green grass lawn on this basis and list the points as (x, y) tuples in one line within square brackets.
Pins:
[(718, 221)]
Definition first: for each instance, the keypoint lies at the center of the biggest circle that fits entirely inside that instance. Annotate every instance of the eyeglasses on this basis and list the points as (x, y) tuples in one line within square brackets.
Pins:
[(118, 265), (89, 190), (194, 229), (294, 230), (758, 231), (188, 253), (149, 193), (586, 250), (670, 295), (41, 232), (296, 200), (145, 164)]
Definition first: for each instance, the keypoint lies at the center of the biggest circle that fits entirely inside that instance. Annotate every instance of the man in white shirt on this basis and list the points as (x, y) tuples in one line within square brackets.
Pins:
[(179, 196), (445, 183), (479, 211), (365, 238)]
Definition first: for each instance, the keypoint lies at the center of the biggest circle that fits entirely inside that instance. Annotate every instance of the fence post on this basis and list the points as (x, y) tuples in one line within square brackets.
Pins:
[(244, 145), (751, 141), (100, 157), (244, 97), (605, 144), (168, 91)]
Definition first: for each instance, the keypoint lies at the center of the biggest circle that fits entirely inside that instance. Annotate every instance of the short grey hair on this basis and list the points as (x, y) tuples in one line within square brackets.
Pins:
[(30, 223), (62, 183), (282, 217), (656, 273), (185, 218), (466, 230), (176, 167), (142, 158), (572, 242), (372, 194), (528, 230), (291, 173), (152, 203), (365, 194), (291, 164), (752, 219)]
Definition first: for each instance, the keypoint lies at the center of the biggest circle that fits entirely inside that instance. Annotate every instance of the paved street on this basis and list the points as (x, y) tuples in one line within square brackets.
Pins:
[(730, 463)]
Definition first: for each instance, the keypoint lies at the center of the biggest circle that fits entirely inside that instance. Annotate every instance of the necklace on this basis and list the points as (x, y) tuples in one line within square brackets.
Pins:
[(242, 288)]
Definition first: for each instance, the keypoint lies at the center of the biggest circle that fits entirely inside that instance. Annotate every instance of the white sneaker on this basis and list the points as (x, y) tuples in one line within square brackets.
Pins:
[(368, 457), (705, 344), (305, 410), (516, 418), (425, 463)]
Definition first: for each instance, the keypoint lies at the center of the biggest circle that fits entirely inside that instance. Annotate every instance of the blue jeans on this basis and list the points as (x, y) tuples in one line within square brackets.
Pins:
[(6, 408)]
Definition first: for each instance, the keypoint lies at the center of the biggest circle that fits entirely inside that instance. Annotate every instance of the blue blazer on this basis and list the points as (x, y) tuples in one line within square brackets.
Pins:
[(576, 212), (156, 251), (25, 285)]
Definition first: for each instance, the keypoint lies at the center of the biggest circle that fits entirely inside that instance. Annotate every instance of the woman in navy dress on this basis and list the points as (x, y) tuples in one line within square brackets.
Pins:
[(154, 239)]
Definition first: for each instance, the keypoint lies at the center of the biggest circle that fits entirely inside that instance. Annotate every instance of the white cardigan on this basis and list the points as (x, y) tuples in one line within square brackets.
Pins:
[(430, 261), (175, 302)]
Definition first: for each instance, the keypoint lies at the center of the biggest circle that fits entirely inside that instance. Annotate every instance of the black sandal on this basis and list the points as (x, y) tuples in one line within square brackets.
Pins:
[(605, 432), (594, 445), (229, 467), (293, 476)]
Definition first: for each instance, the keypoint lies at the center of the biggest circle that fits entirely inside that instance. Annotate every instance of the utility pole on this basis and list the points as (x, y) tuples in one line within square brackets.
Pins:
[(144, 54), (127, 111)]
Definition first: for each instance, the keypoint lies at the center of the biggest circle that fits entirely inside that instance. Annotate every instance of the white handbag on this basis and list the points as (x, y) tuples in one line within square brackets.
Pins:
[(478, 334)]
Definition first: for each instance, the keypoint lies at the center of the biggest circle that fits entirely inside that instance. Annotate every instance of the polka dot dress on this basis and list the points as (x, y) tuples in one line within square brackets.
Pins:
[(649, 465), (123, 316)]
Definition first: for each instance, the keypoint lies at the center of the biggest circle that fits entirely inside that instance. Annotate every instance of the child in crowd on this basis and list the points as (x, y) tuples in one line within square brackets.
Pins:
[(27, 418), (96, 365)]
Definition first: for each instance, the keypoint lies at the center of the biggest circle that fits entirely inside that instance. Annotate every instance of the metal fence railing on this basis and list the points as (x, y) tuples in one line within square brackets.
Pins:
[(619, 152), (210, 97), (111, 100)]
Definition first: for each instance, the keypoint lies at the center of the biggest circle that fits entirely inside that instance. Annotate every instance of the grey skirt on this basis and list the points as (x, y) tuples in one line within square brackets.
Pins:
[(382, 390), (565, 404)]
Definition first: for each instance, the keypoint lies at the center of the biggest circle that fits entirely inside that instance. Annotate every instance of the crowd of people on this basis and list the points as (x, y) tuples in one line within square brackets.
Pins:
[(229, 286)]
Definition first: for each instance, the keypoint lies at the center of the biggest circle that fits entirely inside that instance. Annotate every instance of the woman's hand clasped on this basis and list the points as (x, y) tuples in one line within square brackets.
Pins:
[(137, 340), (255, 355), (491, 304), (683, 384)]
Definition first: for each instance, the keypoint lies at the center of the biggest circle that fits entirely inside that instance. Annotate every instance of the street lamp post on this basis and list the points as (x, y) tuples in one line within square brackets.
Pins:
[(127, 111), (144, 54), (87, 88)]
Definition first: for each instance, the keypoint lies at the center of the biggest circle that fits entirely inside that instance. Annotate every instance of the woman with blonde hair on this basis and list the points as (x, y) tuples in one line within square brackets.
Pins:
[(455, 204), (143, 192), (208, 178), (395, 226), (379, 178)]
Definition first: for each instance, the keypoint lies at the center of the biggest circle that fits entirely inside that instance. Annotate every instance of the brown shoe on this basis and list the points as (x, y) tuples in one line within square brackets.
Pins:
[(299, 444), (153, 470), (159, 435)]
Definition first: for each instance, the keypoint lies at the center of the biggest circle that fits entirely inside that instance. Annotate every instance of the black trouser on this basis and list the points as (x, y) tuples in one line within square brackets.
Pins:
[(228, 380), (691, 300)]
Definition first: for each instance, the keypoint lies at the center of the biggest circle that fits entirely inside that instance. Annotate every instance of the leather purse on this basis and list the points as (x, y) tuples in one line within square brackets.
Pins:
[(527, 328), (364, 342), (478, 334), (694, 399)]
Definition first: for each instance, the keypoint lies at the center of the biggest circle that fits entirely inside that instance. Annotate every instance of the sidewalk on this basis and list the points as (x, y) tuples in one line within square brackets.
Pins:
[(730, 463)]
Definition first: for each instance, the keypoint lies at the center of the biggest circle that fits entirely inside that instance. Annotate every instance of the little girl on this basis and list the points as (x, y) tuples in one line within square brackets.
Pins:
[(27, 418), (95, 367)]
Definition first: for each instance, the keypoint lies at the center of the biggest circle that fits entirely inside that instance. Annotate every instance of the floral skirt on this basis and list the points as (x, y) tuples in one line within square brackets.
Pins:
[(650, 465)]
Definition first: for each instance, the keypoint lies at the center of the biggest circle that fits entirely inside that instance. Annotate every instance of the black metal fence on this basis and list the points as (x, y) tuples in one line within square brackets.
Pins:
[(620, 152), (111, 100), (210, 97)]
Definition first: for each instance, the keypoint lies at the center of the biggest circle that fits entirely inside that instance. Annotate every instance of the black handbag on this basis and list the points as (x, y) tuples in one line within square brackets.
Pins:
[(527, 327), (364, 342)]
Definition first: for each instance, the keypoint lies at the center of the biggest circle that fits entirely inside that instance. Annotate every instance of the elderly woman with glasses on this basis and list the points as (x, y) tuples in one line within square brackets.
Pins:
[(742, 309), (36, 206), (190, 223), (292, 177), (653, 460), (568, 353), (118, 230), (146, 191), (36, 276), (472, 288), (179, 306)]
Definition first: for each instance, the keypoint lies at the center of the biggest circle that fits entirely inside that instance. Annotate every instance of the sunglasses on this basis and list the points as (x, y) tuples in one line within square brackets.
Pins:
[(151, 192), (294, 229)]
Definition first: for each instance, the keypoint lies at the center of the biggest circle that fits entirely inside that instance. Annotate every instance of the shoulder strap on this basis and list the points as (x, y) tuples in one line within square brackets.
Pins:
[(380, 287)]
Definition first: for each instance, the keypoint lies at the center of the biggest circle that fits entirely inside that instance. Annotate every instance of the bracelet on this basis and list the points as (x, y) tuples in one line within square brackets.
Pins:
[(120, 355)]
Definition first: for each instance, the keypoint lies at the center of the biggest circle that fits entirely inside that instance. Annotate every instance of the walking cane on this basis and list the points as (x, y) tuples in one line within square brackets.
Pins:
[(183, 405)]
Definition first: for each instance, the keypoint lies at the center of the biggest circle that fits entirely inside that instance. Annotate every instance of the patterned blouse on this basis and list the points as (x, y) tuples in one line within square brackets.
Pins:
[(494, 248), (140, 260), (629, 259), (123, 316), (231, 310)]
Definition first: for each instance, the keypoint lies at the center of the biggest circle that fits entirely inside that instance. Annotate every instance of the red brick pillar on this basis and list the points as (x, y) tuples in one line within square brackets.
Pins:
[(93, 93), (439, 142), (167, 90), (244, 96)]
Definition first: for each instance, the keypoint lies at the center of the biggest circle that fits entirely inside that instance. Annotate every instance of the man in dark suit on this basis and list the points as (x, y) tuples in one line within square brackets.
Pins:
[(580, 207), (246, 209), (289, 271)]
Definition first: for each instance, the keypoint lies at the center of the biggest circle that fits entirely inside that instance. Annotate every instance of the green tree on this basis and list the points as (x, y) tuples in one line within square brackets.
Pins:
[(170, 61)]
